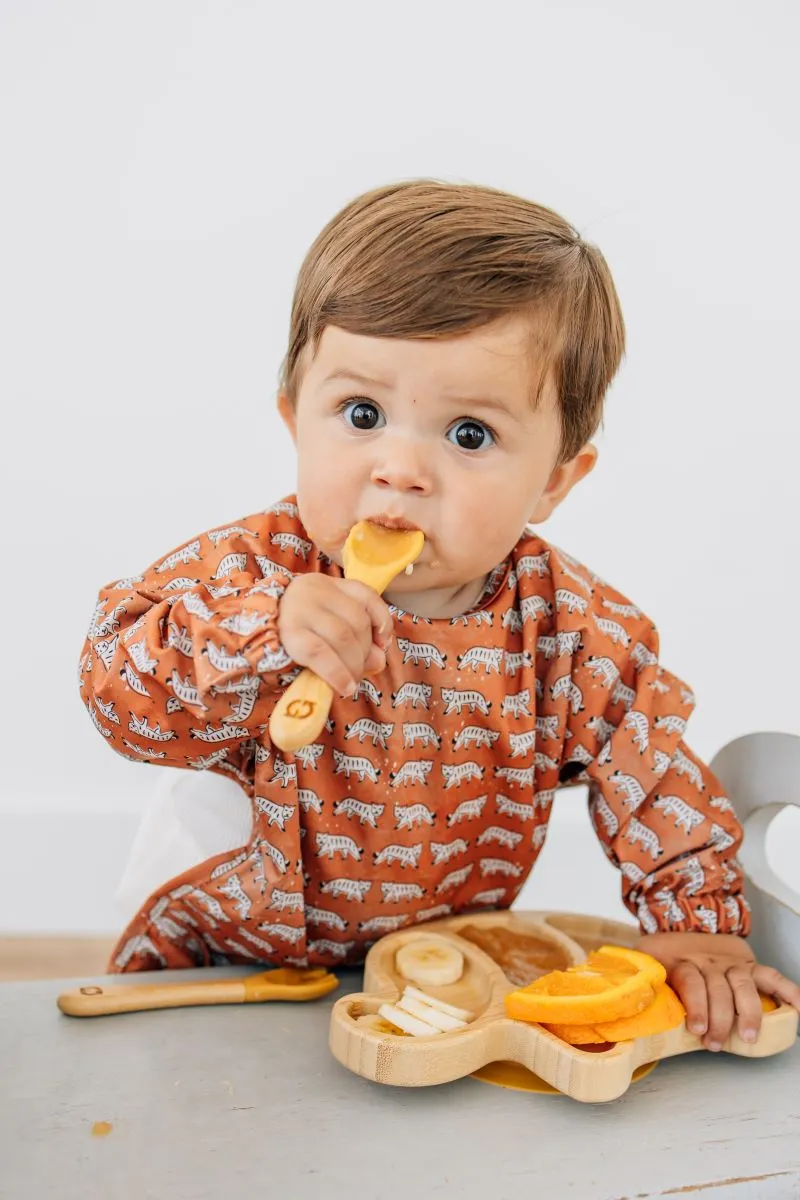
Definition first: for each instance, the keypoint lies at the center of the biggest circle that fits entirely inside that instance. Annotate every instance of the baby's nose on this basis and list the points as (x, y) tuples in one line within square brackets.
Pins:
[(405, 468)]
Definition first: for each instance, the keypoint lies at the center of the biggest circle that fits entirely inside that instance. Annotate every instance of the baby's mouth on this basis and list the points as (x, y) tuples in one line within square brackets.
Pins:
[(387, 522)]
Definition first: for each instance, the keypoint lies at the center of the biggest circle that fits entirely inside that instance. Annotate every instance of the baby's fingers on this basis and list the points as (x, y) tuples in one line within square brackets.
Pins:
[(377, 610), (687, 980), (721, 1009), (708, 1001), (772, 983), (746, 1002), (326, 661)]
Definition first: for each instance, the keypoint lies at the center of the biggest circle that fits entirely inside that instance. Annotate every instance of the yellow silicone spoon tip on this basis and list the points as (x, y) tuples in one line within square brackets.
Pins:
[(375, 555)]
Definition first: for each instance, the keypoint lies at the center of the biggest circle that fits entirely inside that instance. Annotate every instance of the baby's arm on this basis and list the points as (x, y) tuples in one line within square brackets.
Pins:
[(181, 662), (659, 812), (664, 819)]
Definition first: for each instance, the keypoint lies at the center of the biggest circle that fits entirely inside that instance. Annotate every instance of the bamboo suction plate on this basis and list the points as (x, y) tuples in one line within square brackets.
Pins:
[(490, 1037)]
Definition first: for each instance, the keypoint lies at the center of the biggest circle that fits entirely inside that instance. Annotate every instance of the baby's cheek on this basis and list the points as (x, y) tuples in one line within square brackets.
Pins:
[(482, 532), (325, 524)]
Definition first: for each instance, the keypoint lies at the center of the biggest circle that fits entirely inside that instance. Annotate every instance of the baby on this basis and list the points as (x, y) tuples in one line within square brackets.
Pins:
[(450, 350)]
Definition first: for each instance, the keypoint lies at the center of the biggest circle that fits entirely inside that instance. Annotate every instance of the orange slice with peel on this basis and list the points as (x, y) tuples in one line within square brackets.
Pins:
[(612, 983), (666, 1012)]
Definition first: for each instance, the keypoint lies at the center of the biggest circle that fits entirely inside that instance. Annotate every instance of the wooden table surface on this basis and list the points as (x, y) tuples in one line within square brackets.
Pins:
[(213, 1103)]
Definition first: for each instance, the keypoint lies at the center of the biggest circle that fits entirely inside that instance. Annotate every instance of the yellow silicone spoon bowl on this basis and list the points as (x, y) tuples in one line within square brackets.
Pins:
[(374, 556)]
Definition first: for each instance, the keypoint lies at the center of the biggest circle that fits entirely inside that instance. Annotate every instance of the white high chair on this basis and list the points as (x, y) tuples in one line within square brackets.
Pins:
[(760, 773)]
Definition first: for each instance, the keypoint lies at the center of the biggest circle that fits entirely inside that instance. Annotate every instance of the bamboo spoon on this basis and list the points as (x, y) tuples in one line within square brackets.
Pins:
[(374, 556), (285, 983)]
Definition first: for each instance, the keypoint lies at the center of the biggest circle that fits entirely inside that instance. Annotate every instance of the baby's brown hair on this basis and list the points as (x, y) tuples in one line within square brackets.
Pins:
[(428, 259)]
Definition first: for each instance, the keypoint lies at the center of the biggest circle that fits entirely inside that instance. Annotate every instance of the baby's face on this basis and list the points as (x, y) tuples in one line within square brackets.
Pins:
[(439, 435)]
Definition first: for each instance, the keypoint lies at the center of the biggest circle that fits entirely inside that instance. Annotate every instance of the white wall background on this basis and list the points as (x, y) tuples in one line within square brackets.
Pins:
[(166, 164)]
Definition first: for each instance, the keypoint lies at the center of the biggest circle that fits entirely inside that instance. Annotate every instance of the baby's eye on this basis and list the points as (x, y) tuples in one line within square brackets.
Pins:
[(471, 435), (361, 414)]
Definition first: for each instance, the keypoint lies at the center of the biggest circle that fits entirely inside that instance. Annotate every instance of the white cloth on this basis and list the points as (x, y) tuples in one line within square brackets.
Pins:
[(190, 817)]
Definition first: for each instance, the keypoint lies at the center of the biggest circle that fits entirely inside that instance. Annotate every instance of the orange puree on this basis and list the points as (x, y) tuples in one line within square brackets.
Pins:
[(522, 957)]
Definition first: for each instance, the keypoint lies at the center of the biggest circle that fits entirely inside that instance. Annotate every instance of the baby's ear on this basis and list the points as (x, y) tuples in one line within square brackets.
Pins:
[(288, 414), (562, 481)]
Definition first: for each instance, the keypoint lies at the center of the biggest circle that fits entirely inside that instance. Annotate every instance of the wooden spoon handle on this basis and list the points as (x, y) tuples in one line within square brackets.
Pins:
[(301, 712), (95, 1001)]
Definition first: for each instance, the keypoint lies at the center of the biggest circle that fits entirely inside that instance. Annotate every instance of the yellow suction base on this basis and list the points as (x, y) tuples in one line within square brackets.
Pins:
[(520, 1079)]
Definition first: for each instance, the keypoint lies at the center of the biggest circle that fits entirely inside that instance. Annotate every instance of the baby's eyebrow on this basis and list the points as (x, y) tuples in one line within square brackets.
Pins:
[(495, 403), (342, 373)]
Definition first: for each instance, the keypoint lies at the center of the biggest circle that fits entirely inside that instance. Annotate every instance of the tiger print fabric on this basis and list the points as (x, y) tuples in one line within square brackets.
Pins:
[(430, 791)]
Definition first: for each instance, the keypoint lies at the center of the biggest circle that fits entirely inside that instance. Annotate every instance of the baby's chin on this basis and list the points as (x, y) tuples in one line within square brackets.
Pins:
[(415, 578), (430, 587), (432, 594)]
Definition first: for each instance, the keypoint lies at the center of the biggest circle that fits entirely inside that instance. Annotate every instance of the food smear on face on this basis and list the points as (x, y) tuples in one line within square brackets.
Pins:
[(522, 957)]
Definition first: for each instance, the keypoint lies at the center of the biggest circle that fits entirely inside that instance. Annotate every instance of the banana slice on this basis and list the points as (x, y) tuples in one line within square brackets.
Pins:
[(461, 1014), (378, 1024), (433, 1016), (427, 961), (406, 1021)]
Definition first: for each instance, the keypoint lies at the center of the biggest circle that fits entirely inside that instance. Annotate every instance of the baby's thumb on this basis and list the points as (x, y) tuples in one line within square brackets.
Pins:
[(376, 660), (381, 618)]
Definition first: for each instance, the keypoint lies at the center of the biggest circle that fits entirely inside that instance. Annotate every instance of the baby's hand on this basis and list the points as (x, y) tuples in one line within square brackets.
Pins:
[(340, 628), (718, 980)]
